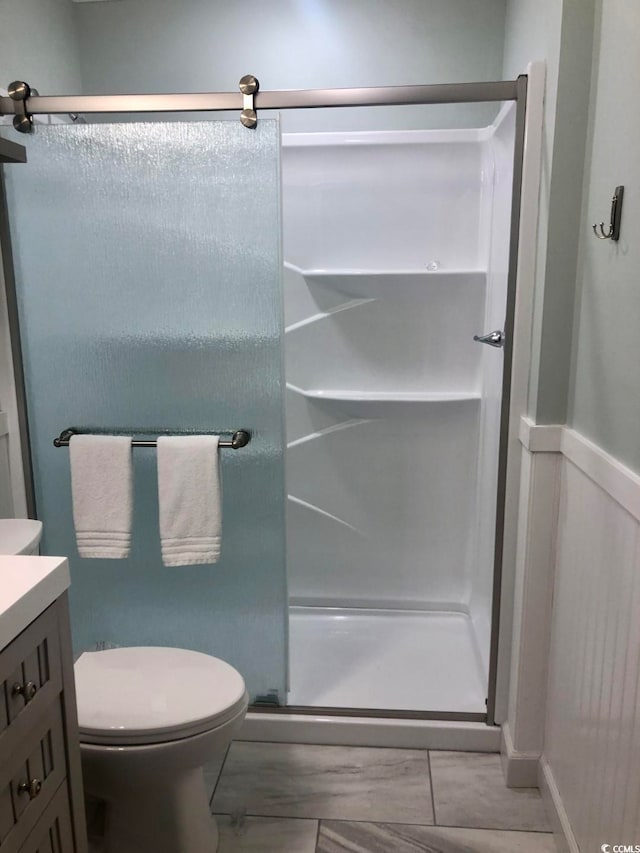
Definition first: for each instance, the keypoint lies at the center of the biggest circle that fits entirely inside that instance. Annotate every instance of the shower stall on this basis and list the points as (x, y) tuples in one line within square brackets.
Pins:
[(396, 251), (152, 261)]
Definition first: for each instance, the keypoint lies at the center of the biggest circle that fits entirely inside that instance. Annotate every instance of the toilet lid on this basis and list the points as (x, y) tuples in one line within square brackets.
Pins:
[(153, 694)]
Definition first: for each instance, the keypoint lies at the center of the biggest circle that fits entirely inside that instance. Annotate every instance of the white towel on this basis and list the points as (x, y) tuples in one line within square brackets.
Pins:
[(189, 495), (102, 492)]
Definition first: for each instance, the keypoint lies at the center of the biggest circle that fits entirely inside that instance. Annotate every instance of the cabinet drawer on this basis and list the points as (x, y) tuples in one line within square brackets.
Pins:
[(30, 682), (33, 775), (52, 833)]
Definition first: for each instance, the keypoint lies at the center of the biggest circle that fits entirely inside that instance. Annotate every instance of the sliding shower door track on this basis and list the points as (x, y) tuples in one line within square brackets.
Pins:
[(381, 713)]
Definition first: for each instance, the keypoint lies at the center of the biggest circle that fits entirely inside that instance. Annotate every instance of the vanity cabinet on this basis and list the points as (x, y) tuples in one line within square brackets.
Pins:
[(41, 796)]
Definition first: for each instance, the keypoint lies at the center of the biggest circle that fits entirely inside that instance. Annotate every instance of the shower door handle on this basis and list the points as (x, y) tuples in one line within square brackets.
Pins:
[(493, 339)]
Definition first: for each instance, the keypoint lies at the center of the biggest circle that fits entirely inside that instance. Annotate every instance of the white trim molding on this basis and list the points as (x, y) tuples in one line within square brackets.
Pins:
[(620, 482), (540, 438), (521, 365), (520, 768), (560, 824), (523, 734)]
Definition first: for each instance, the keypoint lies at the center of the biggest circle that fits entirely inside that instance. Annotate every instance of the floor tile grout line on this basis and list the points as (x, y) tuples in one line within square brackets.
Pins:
[(433, 796), (393, 823), (318, 837), (215, 787), (539, 830), (288, 817)]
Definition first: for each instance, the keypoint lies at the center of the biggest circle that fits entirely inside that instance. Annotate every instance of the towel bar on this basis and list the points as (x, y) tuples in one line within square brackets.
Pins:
[(239, 438)]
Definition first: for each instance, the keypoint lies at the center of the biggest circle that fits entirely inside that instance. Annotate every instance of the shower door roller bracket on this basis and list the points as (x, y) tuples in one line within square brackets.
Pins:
[(249, 85), (20, 92), (493, 339)]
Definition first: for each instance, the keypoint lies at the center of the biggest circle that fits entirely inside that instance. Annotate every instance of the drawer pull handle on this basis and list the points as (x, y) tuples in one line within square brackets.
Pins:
[(27, 691), (33, 788)]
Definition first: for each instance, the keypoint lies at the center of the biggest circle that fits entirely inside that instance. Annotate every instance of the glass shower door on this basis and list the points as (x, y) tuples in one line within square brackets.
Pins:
[(148, 273)]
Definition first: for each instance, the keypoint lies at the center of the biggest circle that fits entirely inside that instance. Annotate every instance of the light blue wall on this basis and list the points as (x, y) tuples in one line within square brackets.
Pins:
[(532, 32), (38, 44), (207, 45), (605, 387), (560, 32)]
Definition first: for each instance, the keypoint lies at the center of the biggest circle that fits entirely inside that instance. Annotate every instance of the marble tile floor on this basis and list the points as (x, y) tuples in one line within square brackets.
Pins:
[(293, 798)]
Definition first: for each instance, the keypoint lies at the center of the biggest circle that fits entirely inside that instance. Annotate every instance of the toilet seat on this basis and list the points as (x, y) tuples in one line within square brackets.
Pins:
[(145, 695)]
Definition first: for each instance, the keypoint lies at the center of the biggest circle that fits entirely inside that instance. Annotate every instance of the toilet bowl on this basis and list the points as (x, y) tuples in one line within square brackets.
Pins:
[(150, 719)]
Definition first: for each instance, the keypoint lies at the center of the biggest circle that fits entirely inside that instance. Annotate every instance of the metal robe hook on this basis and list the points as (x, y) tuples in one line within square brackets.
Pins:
[(602, 235), (614, 222)]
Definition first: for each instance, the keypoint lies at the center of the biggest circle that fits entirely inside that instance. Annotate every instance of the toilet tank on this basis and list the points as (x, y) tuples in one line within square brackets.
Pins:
[(20, 535)]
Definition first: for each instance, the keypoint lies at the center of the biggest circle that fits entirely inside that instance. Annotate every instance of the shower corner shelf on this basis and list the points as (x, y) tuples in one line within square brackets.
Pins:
[(378, 404), (385, 283)]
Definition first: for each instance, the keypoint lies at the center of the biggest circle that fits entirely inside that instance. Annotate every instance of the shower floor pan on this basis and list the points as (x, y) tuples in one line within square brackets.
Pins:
[(400, 660)]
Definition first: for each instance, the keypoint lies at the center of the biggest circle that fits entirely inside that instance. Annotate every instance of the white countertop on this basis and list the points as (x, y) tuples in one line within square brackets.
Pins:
[(28, 585)]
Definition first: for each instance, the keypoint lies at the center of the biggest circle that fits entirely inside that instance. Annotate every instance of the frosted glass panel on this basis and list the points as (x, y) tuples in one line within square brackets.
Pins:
[(148, 267)]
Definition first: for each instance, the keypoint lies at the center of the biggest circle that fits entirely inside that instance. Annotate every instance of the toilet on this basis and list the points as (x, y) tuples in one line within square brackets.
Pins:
[(20, 536), (150, 719)]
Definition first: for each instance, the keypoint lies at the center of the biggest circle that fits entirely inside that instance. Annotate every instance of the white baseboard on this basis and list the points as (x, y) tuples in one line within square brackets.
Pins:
[(565, 839), (520, 768)]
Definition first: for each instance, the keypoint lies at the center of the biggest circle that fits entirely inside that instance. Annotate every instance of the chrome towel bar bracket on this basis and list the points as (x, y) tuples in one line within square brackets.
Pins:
[(239, 438)]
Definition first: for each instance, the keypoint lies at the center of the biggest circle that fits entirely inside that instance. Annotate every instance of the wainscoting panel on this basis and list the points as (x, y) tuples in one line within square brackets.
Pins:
[(592, 739)]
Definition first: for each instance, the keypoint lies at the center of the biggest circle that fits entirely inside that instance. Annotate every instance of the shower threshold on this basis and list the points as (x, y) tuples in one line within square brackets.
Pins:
[(399, 660)]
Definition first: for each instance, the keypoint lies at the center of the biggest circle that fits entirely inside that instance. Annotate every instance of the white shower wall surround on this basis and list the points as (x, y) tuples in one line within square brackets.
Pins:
[(396, 253)]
